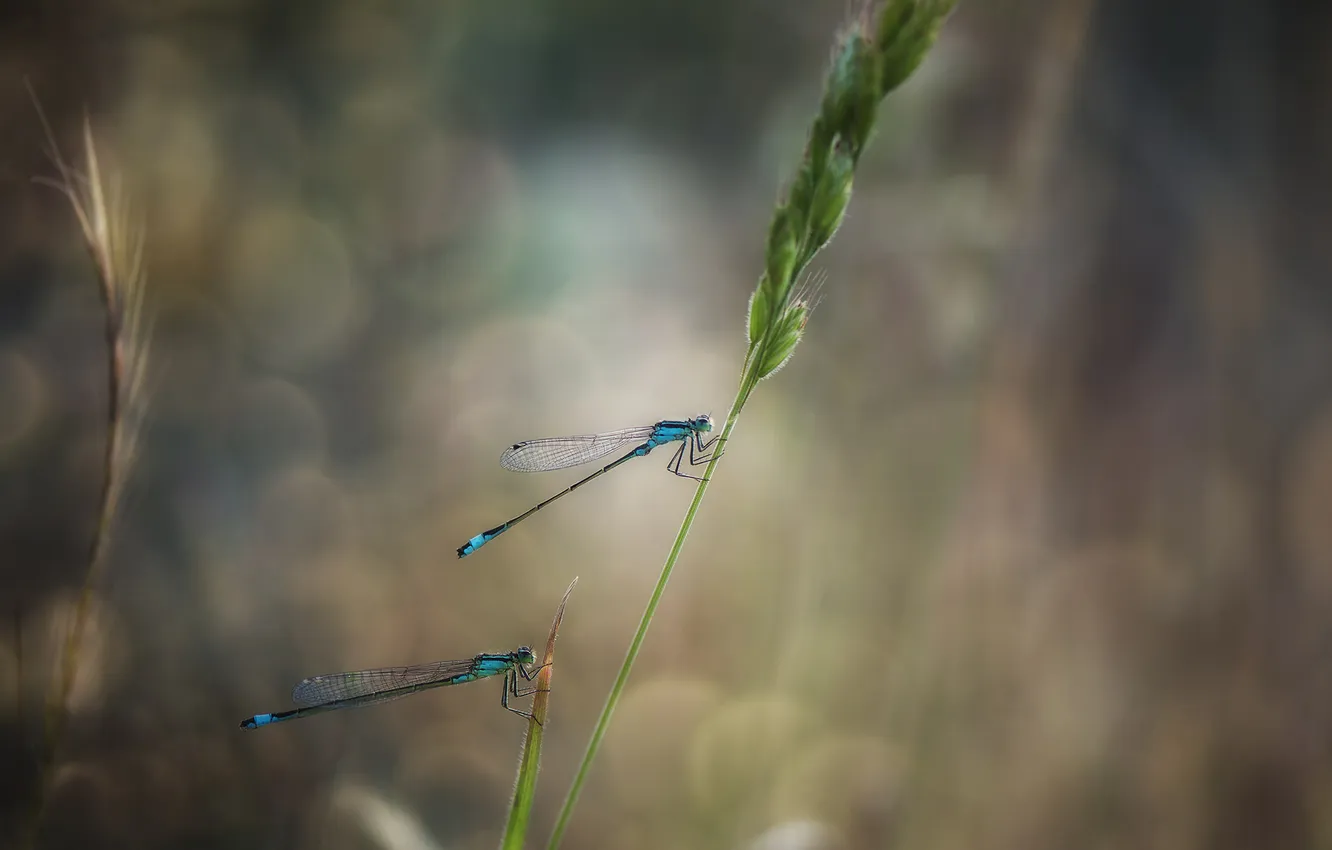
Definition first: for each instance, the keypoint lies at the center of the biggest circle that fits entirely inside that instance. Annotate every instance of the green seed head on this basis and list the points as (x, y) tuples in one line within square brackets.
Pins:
[(790, 327), (783, 250), (906, 30), (828, 205), (760, 311), (852, 93)]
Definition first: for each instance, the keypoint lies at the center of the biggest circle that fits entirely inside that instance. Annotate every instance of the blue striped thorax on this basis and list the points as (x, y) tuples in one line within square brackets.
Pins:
[(670, 430), (492, 665)]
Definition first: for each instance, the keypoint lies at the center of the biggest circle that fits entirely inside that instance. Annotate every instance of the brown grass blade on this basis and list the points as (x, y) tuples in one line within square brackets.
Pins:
[(524, 792)]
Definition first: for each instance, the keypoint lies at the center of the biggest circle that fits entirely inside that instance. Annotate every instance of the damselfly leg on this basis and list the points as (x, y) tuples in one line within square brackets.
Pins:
[(511, 687), (511, 684), (529, 675), (698, 455)]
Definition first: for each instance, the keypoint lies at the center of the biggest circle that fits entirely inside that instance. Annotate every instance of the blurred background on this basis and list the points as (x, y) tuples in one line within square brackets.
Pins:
[(1027, 547)]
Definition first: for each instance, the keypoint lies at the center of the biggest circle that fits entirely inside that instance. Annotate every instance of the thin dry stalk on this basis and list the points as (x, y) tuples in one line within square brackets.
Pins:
[(114, 238)]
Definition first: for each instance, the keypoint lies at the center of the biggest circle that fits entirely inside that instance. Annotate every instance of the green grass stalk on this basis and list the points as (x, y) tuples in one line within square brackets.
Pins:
[(876, 54)]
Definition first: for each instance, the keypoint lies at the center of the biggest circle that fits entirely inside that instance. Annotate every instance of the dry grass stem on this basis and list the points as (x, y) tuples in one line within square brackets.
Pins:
[(114, 238)]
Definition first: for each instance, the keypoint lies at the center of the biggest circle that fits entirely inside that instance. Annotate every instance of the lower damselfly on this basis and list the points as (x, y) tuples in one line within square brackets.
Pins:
[(551, 453), (366, 687)]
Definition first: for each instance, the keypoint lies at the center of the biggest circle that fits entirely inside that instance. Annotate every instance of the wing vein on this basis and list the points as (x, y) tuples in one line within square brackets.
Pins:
[(550, 453), (384, 683)]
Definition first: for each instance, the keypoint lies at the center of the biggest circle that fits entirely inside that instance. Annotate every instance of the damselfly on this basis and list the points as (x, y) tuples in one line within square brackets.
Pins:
[(553, 453), (366, 687)]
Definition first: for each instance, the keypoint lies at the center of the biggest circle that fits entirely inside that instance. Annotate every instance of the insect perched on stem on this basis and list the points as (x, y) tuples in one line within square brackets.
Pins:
[(551, 453), (366, 687)]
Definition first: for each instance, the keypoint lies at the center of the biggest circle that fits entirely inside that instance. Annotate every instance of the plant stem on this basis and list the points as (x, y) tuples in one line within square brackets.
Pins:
[(115, 245), (524, 788), (876, 54), (622, 678)]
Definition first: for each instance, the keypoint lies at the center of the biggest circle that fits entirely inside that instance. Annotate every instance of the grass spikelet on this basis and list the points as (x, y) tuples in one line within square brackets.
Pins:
[(791, 325)]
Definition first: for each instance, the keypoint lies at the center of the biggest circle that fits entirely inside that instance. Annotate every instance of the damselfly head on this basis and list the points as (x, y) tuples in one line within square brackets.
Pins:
[(523, 655), (703, 423)]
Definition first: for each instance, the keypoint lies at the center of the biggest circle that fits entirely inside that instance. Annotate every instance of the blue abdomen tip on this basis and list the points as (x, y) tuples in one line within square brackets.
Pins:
[(472, 545)]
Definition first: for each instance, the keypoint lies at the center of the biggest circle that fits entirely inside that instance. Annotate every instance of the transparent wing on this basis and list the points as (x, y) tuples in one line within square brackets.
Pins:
[(561, 452), (374, 685)]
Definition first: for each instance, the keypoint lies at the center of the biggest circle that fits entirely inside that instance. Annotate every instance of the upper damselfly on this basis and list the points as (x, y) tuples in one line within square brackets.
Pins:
[(553, 453), (366, 687)]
